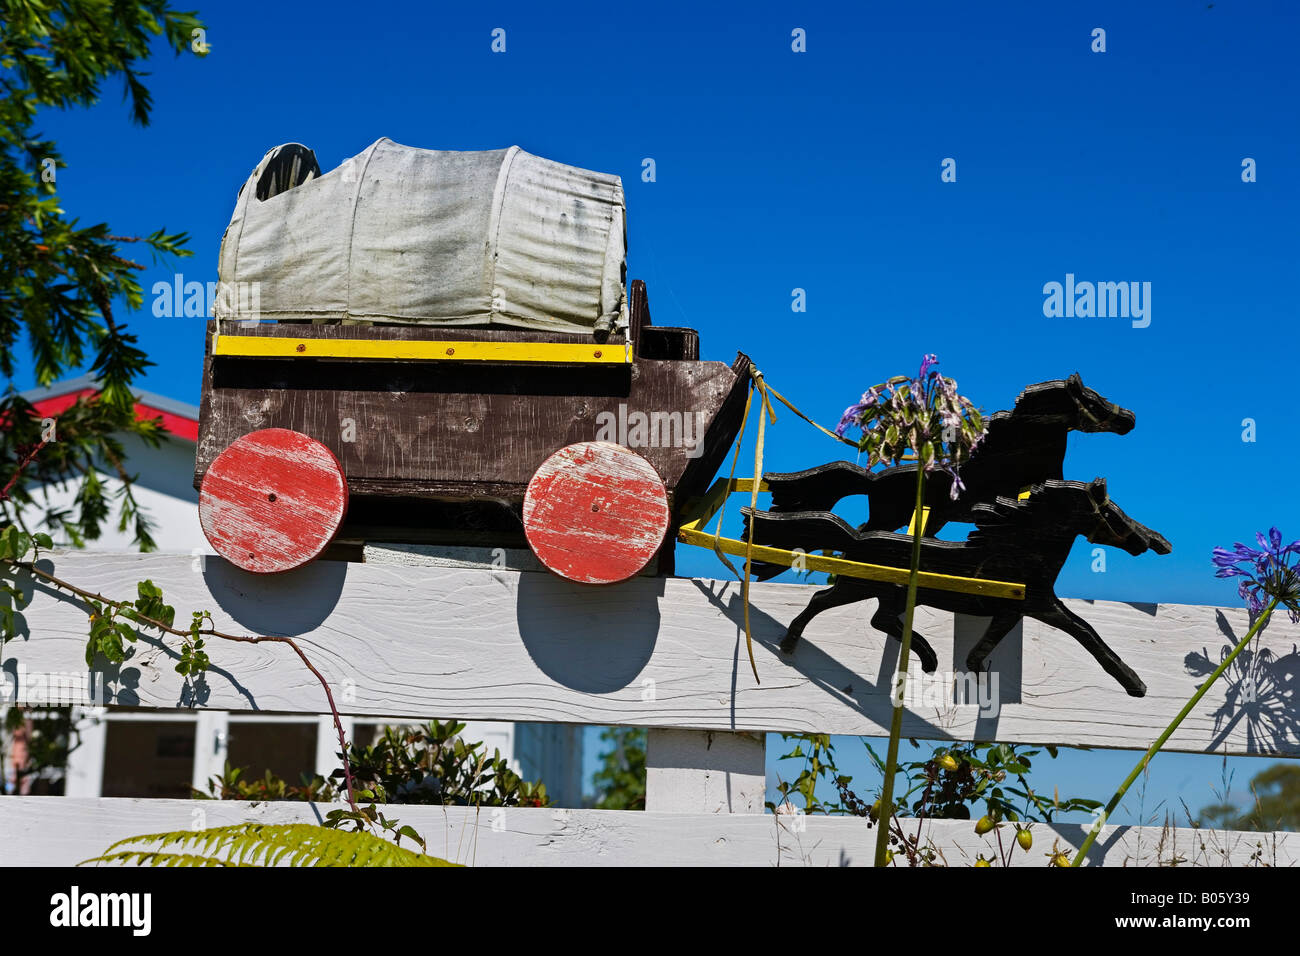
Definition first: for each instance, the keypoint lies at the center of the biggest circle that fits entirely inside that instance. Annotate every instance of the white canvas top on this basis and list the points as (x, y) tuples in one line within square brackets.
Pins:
[(398, 234)]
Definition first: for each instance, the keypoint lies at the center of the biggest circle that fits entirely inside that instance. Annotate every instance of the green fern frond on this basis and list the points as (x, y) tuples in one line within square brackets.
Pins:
[(262, 844), (153, 858)]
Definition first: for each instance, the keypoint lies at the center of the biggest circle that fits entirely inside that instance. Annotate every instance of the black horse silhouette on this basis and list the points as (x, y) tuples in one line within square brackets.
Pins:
[(1025, 540), (1023, 446)]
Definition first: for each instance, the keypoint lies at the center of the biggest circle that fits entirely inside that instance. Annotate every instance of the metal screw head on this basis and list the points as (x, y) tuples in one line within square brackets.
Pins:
[(451, 351), (302, 347), (597, 353)]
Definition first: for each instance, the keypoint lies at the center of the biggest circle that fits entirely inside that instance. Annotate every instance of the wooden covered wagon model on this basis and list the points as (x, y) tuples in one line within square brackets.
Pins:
[(439, 347)]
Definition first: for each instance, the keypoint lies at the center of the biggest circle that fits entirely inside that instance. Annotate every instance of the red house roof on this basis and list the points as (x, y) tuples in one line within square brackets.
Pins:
[(179, 419)]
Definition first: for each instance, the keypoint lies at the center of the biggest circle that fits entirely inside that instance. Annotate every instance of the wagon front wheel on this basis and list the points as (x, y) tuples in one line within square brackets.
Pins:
[(596, 513), (273, 500)]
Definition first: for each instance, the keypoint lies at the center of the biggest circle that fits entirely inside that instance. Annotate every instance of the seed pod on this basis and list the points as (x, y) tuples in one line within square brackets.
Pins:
[(948, 762), (982, 862), (1060, 859), (1025, 839), (983, 825)]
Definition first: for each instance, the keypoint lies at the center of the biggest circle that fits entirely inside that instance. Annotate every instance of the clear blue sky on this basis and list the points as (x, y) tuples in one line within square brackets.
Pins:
[(821, 171)]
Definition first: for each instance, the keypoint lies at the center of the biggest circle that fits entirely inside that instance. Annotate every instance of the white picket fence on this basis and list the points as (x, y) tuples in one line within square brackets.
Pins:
[(667, 654)]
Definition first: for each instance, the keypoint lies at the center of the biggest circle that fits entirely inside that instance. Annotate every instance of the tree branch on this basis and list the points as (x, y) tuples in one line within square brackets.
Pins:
[(27, 460), (211, 632)]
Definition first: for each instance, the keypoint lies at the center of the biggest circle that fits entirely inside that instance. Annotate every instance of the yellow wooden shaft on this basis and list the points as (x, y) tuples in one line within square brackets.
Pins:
[(859, 569), (698, 515)]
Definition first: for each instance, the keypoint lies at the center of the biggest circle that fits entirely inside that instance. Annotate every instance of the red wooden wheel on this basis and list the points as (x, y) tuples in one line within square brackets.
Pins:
[(273, 500), (596, 512)]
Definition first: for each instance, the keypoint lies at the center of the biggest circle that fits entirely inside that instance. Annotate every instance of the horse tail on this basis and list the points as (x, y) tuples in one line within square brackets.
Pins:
[(810, 530), (817, 489)]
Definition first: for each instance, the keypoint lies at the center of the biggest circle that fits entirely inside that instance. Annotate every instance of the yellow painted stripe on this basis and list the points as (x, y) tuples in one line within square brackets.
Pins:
[(925, 518), (265, 346)]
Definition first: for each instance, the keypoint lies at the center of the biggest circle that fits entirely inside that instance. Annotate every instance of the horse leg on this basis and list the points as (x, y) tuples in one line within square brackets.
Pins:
[(1062, 618), (998, 628), (886, 619), (837, 595)]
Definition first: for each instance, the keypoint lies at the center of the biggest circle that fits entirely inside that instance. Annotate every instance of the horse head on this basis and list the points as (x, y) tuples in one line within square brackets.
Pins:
[(1095, 413), (1112, 527), (1063, 509), (1075, 405)]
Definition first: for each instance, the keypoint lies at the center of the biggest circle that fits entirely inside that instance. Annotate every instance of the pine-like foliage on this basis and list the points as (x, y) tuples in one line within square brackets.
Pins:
[(262, 844)]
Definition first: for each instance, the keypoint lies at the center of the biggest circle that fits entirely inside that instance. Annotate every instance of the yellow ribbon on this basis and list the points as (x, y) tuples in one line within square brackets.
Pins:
[(766, 392), (756, 383)]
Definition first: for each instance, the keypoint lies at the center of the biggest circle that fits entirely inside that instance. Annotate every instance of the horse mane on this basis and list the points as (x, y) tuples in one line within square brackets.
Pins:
[(1040, 388), (1019, 408)]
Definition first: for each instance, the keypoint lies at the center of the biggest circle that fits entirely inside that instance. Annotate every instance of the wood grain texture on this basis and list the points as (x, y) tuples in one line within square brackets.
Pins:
[(59, 831), (273, 500), (654, 652), (596, 513)]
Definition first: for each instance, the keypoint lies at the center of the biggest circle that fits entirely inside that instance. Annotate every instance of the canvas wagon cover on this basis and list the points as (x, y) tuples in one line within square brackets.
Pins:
[(438, 237)]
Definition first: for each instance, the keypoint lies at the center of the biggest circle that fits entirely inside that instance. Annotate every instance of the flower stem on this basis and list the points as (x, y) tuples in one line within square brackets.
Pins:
[(1160, 741), (886, 812)]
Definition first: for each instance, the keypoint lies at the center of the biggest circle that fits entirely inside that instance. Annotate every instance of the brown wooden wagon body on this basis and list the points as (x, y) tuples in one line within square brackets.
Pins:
[(441, 452)]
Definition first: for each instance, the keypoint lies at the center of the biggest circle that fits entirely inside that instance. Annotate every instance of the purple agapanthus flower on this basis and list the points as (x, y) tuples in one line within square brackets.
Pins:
[(853, 412), (925, 415), (1266, 572)]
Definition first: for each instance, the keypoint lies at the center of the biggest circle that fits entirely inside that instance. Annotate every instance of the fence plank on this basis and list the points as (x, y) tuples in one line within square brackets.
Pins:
[(60, 831), (653, 652)]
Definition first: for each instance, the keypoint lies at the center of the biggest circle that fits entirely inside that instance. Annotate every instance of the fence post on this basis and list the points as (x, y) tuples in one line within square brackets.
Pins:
[(701, 771), (211, 742)]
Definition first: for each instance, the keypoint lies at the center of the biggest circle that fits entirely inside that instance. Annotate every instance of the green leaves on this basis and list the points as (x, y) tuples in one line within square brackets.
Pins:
[(14, 544), (619, 781), (259, 844), (60, 280), (150, 603), (818, 754), (111, 622), (194, 661), (108, 636), (433, 764)]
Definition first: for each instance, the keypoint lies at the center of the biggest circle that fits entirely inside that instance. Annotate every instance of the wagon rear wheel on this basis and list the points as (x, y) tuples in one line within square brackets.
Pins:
[(596, 512), (273, 500)]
